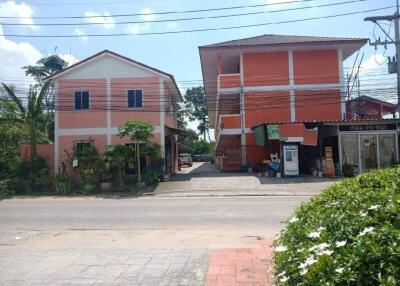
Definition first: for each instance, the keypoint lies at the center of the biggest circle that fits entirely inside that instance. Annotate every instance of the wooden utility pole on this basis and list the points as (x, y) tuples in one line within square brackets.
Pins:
[(396, 63)]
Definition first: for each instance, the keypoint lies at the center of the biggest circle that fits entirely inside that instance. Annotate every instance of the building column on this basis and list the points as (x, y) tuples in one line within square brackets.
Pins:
[(292, 88), (242, 113), (109, 131), (341, 85), (162, 121), (56, 127)]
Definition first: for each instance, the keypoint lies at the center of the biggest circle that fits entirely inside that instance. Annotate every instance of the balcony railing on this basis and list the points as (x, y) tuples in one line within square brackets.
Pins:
[(229, 81)]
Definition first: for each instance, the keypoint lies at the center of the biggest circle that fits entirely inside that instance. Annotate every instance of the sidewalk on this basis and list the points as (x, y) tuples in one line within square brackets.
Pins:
[(239, 184), (241, 266)]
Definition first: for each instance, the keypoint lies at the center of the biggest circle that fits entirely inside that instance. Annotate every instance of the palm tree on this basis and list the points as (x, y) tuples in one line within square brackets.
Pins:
[(31, 114)]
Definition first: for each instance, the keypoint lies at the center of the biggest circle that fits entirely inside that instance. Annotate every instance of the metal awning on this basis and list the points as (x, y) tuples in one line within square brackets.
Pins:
[(181, 132)]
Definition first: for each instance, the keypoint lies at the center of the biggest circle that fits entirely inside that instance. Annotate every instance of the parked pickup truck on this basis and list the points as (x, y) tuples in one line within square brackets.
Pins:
[(185, 159)]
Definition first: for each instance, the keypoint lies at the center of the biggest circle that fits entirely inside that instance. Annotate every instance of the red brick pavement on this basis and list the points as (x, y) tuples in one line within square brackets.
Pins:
[(241, 266)]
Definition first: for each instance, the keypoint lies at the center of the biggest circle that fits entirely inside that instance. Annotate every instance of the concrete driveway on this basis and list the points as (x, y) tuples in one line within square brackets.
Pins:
[(204, 179), (141, 241)]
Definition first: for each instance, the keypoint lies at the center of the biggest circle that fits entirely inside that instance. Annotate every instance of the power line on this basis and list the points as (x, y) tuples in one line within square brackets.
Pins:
[(200, 30), (160, 13), (185, 19)]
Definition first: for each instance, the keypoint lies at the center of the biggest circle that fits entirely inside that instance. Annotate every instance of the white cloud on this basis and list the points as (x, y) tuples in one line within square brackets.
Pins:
[(147, 14), (81, 33), (23, 11), (15, 55), (108, 22), (69, 58), (172, 25)]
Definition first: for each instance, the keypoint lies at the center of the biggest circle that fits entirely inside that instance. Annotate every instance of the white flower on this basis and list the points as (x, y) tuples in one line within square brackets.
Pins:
[(300, 250), (314, 234), (310, 260), (280, 248), (303, 271), (374, 207), (340, 243), (363, 214), (284, 279), (294, 219), (321, 228), (365, 231), (325, 252), (281, 274), (339, 270), (321, 246)]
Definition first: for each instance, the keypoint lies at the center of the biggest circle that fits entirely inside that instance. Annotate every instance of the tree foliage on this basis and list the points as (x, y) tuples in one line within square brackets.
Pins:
[(45, 67), (137, 130), (30, 114), (196, 109)]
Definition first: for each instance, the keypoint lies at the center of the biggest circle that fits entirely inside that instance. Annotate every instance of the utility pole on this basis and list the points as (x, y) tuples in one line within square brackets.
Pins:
[(394, 64)]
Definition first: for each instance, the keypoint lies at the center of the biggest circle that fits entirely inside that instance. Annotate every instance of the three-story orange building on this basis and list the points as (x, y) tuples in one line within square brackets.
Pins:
[(280, 81)]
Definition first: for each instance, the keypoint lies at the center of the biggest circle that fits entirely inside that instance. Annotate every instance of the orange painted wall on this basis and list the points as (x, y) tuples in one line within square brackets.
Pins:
[(261, 69), (66, 143), (95, 117), (272, 106), (229, 80), (117, 140), (318, 105), (311, 67), (231, 121), (170, 117), (151, 100), (45, 151), (254, 154)]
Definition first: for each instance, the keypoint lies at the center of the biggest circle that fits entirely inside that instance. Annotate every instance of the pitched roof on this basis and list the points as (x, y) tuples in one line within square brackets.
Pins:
[(372, 99), (271, 39), (118, 56)]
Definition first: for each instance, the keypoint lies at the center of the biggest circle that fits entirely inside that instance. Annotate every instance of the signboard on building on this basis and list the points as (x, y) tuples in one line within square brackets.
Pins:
[(370, 127), (273, 132)]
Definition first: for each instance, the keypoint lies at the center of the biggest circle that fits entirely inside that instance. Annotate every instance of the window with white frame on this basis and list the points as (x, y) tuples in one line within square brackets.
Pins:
[(81, 100), (135, 98)]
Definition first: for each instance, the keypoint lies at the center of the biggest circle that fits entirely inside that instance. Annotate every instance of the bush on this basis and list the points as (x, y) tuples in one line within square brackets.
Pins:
[(62, 184), (347, 235), (6, 188)]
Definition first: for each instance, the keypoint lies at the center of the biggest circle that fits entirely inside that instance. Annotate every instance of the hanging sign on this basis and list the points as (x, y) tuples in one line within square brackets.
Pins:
[(273, 132)]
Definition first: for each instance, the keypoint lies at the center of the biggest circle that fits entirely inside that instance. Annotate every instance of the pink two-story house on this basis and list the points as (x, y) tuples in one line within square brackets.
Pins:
[(98, 94)]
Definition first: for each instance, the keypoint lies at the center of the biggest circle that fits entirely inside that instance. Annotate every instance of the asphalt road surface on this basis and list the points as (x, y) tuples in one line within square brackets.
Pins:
[(140, 241)]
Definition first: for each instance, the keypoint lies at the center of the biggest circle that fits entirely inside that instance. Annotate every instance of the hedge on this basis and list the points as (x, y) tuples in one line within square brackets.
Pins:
[(347, 235)]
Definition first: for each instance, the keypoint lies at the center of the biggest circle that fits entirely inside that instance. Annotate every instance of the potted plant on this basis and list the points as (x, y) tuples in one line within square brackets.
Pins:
[(348, 170)]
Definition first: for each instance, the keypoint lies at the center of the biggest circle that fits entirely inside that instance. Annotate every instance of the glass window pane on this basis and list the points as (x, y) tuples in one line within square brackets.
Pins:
[(349, 145), (85, 100), (131, 98), (78, 101), (139, 98), (387, 150), (368, 145)]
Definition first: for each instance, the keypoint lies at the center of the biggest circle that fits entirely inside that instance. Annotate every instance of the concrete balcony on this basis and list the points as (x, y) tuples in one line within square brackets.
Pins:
[(229, 83)]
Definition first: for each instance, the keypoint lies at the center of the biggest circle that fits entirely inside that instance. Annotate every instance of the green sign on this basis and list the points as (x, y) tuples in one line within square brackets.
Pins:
[(273, 132), (259, 132)]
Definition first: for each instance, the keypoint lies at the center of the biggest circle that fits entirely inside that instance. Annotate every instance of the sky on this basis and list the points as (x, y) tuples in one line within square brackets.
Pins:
[(177, 53)]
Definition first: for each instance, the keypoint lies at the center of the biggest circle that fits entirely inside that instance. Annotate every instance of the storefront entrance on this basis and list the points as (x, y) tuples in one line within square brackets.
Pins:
[(366, 149)]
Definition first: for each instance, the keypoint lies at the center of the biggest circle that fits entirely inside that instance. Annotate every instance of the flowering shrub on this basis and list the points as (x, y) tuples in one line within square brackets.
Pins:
[(347, 235)]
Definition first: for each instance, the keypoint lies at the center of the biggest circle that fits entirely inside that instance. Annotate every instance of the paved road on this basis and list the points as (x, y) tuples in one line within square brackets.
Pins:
[(142, 241)]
